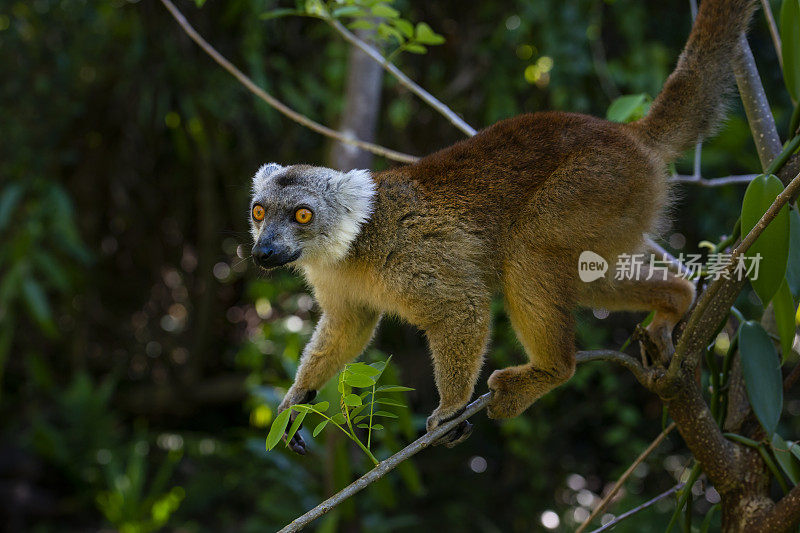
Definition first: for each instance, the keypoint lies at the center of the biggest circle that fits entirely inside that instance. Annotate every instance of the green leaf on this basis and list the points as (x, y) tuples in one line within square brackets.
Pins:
[(385, 414), (302, 408), (199, 3), (321, 406), (415, 48), (361, 25), (425, 35), (793, 266), (358, 380), (790, 46), (375, 427), (384, 11), (783, 305), (295, 426), (385, 401), (362, 368), (278, 428), (773, 243), (762, 374), (347, 11), (37, 304), (405, 27), (352, 400), (392, 388), (788, 461), (319, 428), (8, 202), (339, 419), (628, 108), (279, 13)]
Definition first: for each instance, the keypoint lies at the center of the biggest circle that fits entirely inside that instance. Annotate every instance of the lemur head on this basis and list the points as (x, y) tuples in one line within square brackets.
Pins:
[(307, 215)]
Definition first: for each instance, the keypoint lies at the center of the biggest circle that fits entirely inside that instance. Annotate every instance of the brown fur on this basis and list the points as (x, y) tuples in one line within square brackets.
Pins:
[(510, 210)]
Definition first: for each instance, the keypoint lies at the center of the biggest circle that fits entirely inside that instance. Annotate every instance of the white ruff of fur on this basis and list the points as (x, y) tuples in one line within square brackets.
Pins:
[(354, 194)]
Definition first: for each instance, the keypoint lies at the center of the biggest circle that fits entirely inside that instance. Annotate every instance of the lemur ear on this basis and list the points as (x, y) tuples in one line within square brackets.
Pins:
[(264, 173)]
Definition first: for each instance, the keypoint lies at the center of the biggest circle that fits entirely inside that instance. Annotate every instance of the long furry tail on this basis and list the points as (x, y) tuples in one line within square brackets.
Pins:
[(692, 103)]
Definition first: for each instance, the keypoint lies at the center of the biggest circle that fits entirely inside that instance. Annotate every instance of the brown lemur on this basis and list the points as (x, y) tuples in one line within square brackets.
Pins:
[(508, 210)]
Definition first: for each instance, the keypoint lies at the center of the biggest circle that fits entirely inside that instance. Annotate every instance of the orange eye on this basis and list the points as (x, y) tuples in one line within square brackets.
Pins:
[(258, 213), (303, 215)]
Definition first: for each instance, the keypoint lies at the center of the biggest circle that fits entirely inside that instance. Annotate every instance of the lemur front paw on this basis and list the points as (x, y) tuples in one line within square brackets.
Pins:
[(455, 436), (505, 399), (296, 444)]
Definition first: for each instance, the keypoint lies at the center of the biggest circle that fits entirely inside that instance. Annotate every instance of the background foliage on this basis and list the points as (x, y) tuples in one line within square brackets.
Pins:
[(142, 356)]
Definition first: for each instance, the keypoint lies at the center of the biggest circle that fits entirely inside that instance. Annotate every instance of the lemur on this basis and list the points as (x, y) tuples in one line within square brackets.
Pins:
[(508, 210)]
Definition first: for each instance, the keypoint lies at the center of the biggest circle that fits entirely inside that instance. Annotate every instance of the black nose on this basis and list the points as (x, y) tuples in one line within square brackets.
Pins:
[(270, 256), (263, 255)]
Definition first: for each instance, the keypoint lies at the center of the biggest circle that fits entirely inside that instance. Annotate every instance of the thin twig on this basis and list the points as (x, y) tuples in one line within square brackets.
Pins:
[(624, 477), (404, 80), (642, 507), (274, 102), (773, 30), (665, 255), (712, 182), (642, 374)]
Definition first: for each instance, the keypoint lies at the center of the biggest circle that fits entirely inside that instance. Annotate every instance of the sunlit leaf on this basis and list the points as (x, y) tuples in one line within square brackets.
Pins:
[(773, 244), (295, 426), (385, 414), (790, 46), (319, 428), (628, 108), (415, 48), (405, 27), (783, 306), (339, 419), (386, 401), (362, 368), (358, 380), (321, 406), (425, 35), (361, 25), (347, 11), (278, 428), (762, 374), (393, 388), (385, 11), (352, 400)]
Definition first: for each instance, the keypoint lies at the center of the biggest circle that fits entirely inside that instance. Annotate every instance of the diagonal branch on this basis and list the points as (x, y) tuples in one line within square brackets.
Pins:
[(384, 467), (641, 507), (274, 102), (387, 465), (624, 477), (404, 80)]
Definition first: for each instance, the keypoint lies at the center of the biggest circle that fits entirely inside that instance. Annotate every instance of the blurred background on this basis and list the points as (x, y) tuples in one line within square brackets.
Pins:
[(142, 355)]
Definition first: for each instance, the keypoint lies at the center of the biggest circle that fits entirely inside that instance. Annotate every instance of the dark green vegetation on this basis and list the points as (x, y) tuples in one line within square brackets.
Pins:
[(142, 355)]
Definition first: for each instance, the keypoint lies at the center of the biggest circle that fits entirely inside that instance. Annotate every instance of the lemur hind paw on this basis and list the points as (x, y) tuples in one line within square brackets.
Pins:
[(455, 436)]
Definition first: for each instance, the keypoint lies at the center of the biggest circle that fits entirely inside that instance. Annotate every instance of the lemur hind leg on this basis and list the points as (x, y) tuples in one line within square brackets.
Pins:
[(669, 296), (539, 306)]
